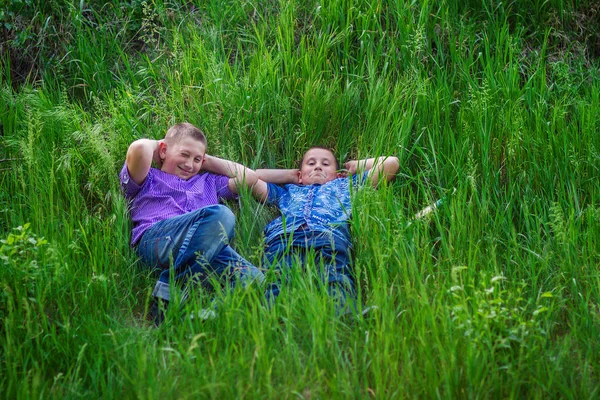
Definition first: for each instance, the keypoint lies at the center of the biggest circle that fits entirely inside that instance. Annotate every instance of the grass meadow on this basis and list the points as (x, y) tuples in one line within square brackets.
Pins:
[(492, 105)]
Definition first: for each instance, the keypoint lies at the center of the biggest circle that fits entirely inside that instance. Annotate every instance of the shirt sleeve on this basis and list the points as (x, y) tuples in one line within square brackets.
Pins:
[(128, 186), (360, 180), (274, 193), (222, 187)]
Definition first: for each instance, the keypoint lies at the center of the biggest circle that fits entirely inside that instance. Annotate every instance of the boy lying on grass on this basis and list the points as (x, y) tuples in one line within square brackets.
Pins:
[(176, 212), (315, 208)]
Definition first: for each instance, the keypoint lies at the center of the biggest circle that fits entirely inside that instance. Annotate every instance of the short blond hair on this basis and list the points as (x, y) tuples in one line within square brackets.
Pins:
[(185, 129)]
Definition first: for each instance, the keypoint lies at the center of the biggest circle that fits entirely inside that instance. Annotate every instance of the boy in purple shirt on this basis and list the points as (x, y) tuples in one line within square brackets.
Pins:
[(176, 213)]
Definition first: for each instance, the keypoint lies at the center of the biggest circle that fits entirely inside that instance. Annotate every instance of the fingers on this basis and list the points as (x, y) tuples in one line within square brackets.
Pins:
[(349, 168)]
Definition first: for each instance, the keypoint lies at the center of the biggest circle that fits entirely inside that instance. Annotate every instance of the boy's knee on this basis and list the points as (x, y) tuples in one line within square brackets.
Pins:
[(223, 217), (221, 211)]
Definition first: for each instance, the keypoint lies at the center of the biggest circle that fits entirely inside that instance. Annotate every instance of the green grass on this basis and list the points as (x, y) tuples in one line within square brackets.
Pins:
[(495, 295)]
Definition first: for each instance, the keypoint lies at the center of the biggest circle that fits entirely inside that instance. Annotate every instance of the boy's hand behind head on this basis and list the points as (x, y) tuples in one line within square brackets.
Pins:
[(351, 167)]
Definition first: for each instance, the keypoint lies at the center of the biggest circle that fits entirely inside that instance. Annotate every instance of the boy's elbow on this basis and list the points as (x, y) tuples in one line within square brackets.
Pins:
[(395, 163), (135, 151), (139, 148), (252, 180), (392, 167), (250, 177)]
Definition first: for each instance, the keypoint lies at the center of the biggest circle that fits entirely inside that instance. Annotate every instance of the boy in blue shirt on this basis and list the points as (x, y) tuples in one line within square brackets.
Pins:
[(315, 208)]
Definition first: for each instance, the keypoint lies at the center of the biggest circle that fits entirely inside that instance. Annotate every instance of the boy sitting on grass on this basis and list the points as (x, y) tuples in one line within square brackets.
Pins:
[(176, 213), (315, 205)]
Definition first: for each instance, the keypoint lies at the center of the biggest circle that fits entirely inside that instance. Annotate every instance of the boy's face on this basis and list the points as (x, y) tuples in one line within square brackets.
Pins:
[(318, 166), (183, 157)]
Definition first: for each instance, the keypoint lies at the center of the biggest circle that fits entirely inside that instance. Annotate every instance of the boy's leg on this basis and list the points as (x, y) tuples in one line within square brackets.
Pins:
[(331, 250), (228, 263), (274, 258), (334, 253), (279, 255), (192, 240)]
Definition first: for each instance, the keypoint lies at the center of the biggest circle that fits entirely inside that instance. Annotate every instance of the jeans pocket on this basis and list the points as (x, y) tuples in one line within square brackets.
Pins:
[(156, 251)]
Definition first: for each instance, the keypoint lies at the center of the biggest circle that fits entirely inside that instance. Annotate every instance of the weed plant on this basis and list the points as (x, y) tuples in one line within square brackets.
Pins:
[(495, 295)]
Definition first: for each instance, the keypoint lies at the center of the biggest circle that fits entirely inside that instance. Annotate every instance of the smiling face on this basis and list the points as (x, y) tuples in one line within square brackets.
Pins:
[(318, 166), (182, 157)]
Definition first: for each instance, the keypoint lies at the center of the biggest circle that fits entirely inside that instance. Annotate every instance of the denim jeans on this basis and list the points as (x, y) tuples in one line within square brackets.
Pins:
[(197, 244), (330, 250)]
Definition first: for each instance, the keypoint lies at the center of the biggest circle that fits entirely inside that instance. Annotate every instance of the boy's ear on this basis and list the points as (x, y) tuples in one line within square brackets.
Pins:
[(162, 149), (300, 177)]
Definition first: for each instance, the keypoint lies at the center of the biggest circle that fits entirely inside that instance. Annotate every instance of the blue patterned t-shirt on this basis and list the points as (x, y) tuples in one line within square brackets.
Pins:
[(320, 208)]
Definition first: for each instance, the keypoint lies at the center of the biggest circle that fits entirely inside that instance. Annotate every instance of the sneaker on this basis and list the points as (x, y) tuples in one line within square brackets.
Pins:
[(157, 310), (204, 315), (368, 310)]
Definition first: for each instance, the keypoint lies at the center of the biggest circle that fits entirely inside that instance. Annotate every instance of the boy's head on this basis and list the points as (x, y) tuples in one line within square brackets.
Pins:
[(318, 165), (185, 129), (182, 150)]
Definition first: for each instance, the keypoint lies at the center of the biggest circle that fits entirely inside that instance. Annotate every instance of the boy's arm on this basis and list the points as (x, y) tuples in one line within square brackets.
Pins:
[(278, 176), (237, 173), (379, 168), (139, 158)]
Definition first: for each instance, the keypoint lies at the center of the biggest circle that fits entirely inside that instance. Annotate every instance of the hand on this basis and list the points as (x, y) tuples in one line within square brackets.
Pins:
[(350, 167)]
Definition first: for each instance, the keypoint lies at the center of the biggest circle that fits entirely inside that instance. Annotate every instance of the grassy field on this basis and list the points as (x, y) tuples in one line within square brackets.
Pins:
[(496, 295)]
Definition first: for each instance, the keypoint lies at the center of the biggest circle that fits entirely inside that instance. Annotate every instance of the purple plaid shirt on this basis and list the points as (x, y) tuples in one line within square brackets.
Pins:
[(164, 195)]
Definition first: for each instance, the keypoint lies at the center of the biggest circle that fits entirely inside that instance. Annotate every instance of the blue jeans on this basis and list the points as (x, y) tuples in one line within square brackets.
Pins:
[(330, 250), (197, 244)]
